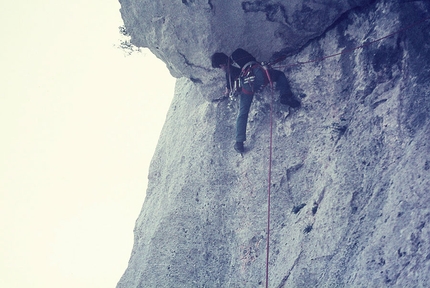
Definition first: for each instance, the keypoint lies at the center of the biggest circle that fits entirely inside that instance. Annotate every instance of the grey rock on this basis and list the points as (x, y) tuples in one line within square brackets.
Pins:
[(183, 33), (350, 173)]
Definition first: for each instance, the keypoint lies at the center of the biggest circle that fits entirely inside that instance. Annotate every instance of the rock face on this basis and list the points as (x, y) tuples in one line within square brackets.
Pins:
[(185, 33), (350, 199)]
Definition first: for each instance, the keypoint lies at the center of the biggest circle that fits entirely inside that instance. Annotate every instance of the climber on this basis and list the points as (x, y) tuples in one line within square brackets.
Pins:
[(243, 72)]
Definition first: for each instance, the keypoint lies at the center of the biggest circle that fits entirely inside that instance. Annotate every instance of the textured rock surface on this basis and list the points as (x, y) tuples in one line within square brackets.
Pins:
[(351, 168), (184, 32)]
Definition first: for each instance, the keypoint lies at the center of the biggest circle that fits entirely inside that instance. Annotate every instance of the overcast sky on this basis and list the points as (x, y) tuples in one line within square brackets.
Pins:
[(79, 123)]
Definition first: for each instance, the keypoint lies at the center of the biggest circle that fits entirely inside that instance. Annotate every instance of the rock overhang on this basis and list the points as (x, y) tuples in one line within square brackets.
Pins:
[(184, 34)]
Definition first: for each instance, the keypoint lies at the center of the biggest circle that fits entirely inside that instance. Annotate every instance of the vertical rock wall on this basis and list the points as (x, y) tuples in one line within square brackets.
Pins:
[(350, 192)]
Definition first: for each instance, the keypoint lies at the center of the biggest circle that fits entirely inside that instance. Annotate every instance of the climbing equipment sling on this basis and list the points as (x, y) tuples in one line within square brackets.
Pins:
[(252, 75)]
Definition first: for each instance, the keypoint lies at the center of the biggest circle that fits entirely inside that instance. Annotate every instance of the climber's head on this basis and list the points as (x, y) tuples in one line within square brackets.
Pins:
[(219, 60)]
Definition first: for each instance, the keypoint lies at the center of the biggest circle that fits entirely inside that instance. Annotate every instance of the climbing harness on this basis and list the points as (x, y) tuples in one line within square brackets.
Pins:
[(248, 76)]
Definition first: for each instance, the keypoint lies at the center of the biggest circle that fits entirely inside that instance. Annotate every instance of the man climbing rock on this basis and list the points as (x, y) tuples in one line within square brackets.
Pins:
[(246, 76)]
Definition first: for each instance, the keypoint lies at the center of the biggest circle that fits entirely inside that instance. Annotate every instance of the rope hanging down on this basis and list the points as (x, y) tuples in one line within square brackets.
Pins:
[(266, 67)]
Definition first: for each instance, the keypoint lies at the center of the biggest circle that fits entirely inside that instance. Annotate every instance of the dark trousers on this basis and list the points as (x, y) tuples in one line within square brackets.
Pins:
[(282, 84), (242, 119), (245, 99)]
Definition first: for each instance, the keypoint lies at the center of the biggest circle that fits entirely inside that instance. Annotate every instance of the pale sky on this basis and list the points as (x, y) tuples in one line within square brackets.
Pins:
[(79, 123)]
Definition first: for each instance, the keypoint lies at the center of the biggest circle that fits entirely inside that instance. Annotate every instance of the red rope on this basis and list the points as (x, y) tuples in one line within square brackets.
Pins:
[(271, 126), (269, 176)]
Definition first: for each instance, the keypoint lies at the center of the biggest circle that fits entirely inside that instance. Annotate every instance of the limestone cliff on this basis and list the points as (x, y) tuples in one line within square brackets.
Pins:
[(350, 199)]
